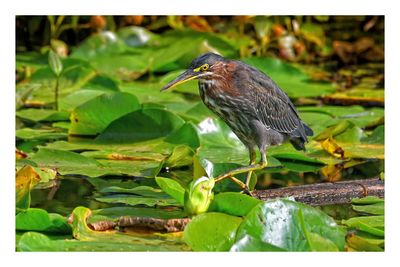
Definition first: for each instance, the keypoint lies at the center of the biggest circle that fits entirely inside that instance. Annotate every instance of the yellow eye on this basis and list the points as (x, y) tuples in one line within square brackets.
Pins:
[(201, 68), (204, 67)]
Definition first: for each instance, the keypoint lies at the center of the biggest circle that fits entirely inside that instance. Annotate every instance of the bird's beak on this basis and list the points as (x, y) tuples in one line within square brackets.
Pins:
[(184, 77)]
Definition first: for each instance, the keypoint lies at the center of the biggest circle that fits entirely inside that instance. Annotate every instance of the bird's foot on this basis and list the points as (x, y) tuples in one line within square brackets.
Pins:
[(247, 191)]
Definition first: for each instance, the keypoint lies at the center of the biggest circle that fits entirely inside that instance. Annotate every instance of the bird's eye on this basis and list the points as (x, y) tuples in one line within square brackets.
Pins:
[(204, 67)]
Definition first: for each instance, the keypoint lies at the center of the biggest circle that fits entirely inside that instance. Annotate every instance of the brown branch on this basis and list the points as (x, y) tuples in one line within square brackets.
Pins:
[(171, 225), (326, 193)]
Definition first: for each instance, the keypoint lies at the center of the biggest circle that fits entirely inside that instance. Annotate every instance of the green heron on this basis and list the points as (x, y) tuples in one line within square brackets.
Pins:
[(250, 103)]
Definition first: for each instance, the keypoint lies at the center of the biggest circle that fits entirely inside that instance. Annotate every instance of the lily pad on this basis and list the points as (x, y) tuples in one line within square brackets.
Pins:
[(116, 212), (66, 162), (40, 134), (287, 224), (233, 203), (370, 224), (34, 219), (172, 188), (138, 200), (86, 118), (140, 125), (76, 74), (211, 232), (36, 115)]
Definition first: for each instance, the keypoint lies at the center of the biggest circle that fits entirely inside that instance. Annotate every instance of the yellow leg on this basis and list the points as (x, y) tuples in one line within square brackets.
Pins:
[(249, 169), (253, 156)]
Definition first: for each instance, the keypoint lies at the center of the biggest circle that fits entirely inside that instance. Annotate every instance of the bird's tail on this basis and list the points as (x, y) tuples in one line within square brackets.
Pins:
[(298, 139), (307, 130)]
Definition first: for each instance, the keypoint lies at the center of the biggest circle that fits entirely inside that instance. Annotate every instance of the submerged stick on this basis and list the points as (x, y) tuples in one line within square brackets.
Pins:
[(170, 225), (326, 193)]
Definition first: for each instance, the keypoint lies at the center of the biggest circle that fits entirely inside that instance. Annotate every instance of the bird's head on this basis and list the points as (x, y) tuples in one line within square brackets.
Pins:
[(206, 66)]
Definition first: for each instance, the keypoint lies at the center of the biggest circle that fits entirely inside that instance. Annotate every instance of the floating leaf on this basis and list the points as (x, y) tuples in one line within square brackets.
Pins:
[(182, 155), (34, 219), (140, 125), (251, 244), (138, 200), (36, 115), (92, 117), (77, 98), (39, 134), (359, 243), (116, 212), (286, 224), (233, 203), (370, 224), (172, 188), (211, 232), (330, 146), (376, 209), (76, 73), (376, 137)]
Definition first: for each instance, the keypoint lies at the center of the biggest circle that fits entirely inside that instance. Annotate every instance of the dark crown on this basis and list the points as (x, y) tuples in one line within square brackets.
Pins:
[(207, 58)]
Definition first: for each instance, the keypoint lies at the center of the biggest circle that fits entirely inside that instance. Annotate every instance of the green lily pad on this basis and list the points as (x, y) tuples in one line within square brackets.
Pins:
[(287, 224), (96, 45), (376, 137), (182, 155), (251, 244), (117, 212), (92, 117), (233, 203), (77, 98), (375, 208), (36, 115), (145, 191), (39, 134), (172, 188), (359, 243), (141, 125), (102, 83), (357, 115), (367, 200), (125, 66), (138, 200), (76, 74), (34, 219), (370, 224), (186, 135), (211, 232), (66, 162)]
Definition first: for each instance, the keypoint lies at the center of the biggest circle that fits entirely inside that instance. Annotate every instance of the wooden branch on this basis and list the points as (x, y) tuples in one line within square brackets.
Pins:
[(171, 225), (326, 193)]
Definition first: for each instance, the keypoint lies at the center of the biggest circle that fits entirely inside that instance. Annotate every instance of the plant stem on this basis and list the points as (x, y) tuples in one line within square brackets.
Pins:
[(56, 94)]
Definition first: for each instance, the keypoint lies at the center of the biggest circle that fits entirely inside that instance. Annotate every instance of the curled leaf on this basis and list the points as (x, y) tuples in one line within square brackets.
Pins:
[(330, 146)]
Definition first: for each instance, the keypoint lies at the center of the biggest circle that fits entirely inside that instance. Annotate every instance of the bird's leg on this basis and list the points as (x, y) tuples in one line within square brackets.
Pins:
[(252, 155), (253, 167)]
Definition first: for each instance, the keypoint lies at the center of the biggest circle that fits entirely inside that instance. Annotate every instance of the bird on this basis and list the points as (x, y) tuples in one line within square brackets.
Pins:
[(255, 108)]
